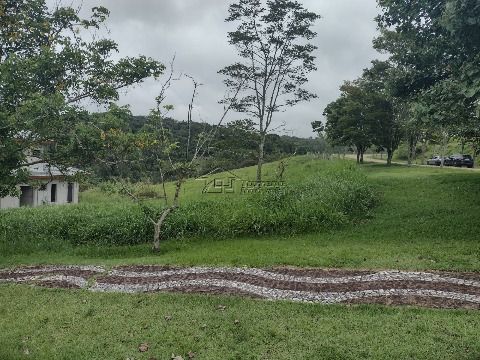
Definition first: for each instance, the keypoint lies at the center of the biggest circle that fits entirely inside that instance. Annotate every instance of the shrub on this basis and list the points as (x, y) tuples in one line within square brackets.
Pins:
[(327, 200), (101, 224)]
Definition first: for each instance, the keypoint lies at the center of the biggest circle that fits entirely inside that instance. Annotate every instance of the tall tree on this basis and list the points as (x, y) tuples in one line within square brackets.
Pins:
[(386, 111), (272, 38), (49, 64), (437, 45), (348, 120)]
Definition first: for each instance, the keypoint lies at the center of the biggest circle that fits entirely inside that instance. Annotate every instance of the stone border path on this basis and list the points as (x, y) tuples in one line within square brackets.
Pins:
[(429, 289)]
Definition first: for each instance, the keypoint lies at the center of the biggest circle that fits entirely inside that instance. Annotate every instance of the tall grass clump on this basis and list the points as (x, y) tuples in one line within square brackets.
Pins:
[(327, 200), (334, 197)]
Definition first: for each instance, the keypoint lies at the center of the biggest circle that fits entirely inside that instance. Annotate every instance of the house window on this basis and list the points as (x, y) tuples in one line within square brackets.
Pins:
[(53, 193), (70, 193)]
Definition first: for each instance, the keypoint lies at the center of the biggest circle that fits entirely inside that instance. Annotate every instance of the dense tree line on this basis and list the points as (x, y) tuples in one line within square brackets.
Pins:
[(233, 145), (427, 90)]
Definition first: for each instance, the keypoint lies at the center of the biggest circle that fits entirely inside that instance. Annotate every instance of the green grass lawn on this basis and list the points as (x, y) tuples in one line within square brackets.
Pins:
[(426, 219), (56, 324)]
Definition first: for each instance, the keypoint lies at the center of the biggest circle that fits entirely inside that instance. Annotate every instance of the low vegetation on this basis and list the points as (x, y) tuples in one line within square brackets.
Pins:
[(329, 199), (80, 325), (424, 220)]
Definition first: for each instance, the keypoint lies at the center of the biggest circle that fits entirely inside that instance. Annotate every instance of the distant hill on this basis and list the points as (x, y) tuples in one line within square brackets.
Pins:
[(234, 145), (236, 142)]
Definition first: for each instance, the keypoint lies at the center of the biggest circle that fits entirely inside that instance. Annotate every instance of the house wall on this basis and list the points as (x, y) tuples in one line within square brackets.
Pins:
[(43, 197), (9, 202)]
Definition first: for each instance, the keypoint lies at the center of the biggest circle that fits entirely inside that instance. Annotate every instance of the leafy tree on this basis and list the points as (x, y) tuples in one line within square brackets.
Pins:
[(436, 45), (386, 110), (348, 120), (48, 66), (272, 39)]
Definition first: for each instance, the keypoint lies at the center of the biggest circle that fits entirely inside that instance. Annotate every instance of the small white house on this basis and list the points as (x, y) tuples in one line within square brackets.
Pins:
[(52, 188)]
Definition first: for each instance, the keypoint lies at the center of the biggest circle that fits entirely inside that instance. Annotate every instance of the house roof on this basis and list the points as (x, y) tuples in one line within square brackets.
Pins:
[(44, 170)]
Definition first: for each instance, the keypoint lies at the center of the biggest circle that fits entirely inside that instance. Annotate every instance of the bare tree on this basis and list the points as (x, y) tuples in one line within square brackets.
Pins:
[(272, 39), (163, 146)]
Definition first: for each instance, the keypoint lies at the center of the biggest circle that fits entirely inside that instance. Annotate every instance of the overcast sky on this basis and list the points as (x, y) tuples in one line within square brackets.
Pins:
[(195, 31)]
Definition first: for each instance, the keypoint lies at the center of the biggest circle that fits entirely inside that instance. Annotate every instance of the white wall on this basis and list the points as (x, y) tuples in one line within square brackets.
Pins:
[(9, 202), (43, 197)]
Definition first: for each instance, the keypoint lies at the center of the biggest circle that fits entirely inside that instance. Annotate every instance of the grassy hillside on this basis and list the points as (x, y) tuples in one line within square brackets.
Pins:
[(426, 220)]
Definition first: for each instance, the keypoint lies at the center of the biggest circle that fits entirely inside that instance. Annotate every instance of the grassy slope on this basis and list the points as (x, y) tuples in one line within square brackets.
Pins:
[(426, 220)]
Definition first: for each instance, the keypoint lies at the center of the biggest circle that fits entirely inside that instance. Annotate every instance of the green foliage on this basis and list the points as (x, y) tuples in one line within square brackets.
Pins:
[(411, 230), (349, 120), (434, 45), (99, 224), (366, 113), (273, 40), (233, 146), (48, 64), (328, 200)]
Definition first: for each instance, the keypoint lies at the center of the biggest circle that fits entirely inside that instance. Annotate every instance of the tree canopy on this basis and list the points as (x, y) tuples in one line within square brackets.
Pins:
[(49, 64), (429, 87), (273, 40)]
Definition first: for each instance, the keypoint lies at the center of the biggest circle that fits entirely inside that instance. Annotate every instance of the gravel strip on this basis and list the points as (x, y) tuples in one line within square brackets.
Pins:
[(380, 276), (431, 289), (53, 268), (297, 286), (276, 294), (72, 280)]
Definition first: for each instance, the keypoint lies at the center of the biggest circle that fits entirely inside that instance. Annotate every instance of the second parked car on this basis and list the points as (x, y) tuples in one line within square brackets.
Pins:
[(459, 161)]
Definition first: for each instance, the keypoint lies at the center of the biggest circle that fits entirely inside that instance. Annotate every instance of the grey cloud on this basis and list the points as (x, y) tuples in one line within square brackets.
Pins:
[(195, 31)]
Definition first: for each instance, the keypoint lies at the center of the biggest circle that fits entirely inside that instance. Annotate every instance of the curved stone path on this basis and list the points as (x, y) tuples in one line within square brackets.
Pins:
[(430, 289)]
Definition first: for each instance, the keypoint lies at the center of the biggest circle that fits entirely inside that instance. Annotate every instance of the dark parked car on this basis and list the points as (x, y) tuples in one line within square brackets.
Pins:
[(459, 161), (436, 161)]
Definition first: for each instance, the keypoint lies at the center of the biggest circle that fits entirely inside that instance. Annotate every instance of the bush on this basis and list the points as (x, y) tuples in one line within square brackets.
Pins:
[(100, 224), (328, 200)]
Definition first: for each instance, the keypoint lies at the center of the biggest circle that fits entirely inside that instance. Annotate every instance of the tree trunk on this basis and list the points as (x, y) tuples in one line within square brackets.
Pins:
[(412, 150), (358, 156), (442, 156), (362, 152), (445, 139), (424, 151), (389, 157), (261, 154), (157, 237), (475, 155), (280, 170)]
